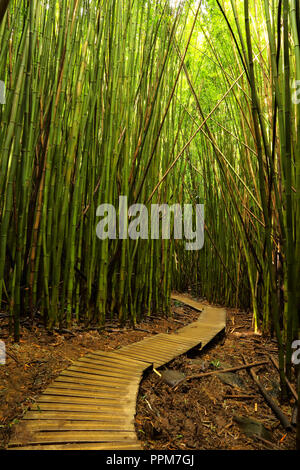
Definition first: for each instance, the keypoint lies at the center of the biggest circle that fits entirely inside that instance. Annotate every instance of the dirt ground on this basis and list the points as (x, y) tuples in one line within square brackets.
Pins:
[(198, 415)]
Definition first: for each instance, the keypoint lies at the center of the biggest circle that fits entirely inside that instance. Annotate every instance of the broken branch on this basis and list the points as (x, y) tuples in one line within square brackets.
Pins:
[(221, 371), (274, 407), (286, 379)]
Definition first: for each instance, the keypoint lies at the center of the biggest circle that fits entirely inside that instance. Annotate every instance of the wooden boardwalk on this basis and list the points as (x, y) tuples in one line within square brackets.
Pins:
[(92, 404)]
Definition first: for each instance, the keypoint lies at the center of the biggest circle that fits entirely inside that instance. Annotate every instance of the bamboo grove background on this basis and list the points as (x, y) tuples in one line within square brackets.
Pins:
[(88, 84), (164, 105)]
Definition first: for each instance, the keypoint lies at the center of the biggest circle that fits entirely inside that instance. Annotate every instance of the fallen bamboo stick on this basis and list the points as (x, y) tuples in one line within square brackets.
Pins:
[(286, 379), (221, 371), (12, 356), (274, 407), (235, 397), (266, 442)]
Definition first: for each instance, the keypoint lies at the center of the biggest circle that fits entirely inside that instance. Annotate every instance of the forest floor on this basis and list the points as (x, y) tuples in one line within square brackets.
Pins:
[(200, 414)]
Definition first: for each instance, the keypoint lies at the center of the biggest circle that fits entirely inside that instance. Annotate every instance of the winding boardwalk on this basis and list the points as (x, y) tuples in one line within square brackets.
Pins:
[(92, 404)]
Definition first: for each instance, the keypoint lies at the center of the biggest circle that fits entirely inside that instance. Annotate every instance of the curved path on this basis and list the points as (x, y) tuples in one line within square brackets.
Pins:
[(92, 404)]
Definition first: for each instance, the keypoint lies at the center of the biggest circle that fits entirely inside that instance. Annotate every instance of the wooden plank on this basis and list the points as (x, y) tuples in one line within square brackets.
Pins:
[(201, 334), (152, 352), (161, 347), (144, 355), (81, 400), (139, 352), (201, 331), (213, 315), (167, 338), (85, 382), (76, 416), (117, 360), (77, 436), (67, 392), (189, 343), (129, 445), (155, 353), (160, 343), (73, 425), (112, 409), (157, 362), (122, 366), (170, 339), (157, 357), (115, 355), (94, 378), (198, 327), (116, 371), (89, 387), (138, 355), (101, 372), (187, 301)]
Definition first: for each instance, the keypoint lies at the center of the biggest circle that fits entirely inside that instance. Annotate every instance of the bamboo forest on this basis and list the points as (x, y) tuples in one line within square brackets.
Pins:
[(149, 225)]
